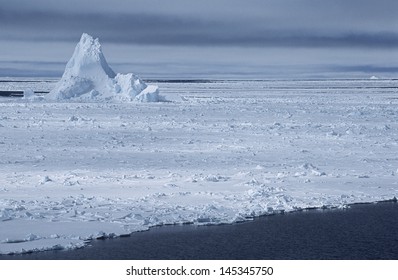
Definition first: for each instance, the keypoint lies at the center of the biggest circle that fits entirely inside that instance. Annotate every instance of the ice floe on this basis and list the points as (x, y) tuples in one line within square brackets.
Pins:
[(225, 152)]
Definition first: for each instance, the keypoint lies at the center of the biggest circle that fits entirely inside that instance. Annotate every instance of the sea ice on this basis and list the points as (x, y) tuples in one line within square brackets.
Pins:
[(218, 152)]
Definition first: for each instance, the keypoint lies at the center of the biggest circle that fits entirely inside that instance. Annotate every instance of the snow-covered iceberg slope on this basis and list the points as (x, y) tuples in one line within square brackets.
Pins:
[(88, 77)]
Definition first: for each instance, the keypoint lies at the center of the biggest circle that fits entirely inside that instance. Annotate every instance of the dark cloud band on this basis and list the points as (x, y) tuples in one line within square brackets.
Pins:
[(158, 29)]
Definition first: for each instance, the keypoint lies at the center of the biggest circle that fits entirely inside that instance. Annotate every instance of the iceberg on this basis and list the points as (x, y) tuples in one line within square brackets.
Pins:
[(87, 77)]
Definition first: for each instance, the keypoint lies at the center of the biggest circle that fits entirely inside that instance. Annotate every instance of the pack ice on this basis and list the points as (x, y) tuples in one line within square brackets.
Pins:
[(88, 76), (218, 152)]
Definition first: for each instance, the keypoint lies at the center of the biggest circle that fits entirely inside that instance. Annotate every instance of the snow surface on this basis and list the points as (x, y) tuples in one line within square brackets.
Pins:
[(88, 77), (219, 152)]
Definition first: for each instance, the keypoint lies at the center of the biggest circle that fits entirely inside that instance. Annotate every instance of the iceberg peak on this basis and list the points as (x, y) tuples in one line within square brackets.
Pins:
[(88, 60)]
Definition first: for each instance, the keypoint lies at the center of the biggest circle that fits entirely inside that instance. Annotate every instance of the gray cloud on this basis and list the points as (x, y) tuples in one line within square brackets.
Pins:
[(273, 23), (212, 36), (364, 68)]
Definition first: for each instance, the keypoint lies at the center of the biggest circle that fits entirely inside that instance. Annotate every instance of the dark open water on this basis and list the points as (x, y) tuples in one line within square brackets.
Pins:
[(366, 231)]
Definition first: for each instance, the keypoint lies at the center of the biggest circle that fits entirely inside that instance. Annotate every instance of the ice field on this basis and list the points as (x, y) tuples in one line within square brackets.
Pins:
[(216, 152)]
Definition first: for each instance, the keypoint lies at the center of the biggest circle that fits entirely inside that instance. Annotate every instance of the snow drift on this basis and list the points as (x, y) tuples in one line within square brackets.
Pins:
[(88, 76)]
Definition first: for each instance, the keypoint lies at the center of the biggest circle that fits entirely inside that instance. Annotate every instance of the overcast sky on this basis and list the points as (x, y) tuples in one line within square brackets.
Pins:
[(207, 38)]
